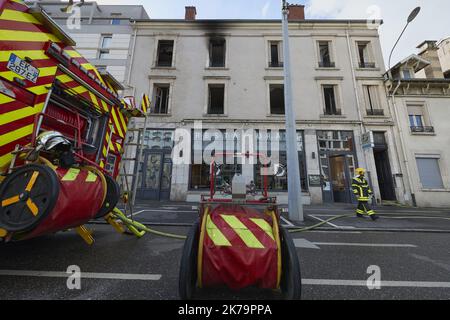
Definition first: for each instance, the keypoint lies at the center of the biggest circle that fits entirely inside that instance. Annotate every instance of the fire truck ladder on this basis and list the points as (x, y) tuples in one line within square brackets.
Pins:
[(134, 161)]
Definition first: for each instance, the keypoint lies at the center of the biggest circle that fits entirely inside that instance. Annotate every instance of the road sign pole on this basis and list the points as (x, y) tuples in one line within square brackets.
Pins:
[(294, 187)]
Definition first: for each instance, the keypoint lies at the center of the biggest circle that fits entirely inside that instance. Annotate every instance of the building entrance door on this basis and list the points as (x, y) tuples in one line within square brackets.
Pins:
[(384, 173), (155, 177), (337, 183)]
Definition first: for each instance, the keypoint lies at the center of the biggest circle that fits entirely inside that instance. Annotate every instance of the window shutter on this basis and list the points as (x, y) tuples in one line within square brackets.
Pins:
[(430, 173)]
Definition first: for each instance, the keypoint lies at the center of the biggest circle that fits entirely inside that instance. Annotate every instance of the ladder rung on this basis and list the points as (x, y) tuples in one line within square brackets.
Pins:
[(126, 175)]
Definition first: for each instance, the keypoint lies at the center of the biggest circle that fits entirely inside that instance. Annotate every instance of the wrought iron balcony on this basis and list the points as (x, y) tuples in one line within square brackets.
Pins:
[(327, 64), (367, 65), (422, 129), (375, 112), (278, 64)]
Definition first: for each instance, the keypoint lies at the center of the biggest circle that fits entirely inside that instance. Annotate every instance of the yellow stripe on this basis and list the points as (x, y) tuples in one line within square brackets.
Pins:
[(102, 164), (20, 114), (92, 177), (16, 134), (73, 53), (43, 72), (71, 175), (14, 35), (215, 234), (14, 15), (116, 122), (264, 225), (5, 99), (276, 232), (104, 151), (111, 145), (243, 232), (5, 160), (121, 118), (105, 105), (39, 90), (64, 78), (32, 54), (200, 248)]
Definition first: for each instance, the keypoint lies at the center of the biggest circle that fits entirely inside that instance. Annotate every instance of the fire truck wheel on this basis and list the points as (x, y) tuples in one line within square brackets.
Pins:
[(188, 265), (291, 281), (27, 196), (112, 197)]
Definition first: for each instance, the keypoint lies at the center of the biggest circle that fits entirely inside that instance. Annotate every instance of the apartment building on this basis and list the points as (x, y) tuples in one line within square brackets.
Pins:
[(104, 35), (419, 96), (218, 79)]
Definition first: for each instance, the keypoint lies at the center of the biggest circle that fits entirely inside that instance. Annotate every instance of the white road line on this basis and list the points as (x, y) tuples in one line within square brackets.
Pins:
[(350, 244), (135, 213), (287, 221), (85, 275), (359, 283), (332, 224)]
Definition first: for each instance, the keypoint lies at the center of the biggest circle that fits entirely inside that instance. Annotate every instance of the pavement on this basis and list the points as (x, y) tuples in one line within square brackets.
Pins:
[(336, 261)]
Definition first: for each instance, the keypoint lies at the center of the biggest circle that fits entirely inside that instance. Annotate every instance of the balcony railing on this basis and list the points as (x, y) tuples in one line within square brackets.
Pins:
[(375, 112), (278, 64), (327, 64), (367, 65), (422, 129)]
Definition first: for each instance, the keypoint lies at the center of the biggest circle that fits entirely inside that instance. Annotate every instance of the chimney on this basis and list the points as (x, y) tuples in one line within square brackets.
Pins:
[(296, 12), (191, 12)]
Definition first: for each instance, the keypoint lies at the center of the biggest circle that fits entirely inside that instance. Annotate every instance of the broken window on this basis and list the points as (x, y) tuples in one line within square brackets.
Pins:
[(330, 100), (165, 53), (325, 57), (217, 53), (216, 99), (161, 98), (277, 99), (275, 54)]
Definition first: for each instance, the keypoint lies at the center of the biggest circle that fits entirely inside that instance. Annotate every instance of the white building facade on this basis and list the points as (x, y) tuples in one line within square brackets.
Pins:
[(227, 76)]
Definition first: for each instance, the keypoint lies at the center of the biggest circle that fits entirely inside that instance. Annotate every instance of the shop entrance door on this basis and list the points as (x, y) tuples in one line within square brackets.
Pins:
[(337, 183)]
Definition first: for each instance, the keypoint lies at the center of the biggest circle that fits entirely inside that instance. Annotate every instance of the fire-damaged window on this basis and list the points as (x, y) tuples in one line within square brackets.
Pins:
[(161, 98), (217, 52), (276, 98), (216, 98), (165, 53)]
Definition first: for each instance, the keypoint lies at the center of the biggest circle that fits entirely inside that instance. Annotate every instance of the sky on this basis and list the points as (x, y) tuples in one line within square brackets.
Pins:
[(433, 22)]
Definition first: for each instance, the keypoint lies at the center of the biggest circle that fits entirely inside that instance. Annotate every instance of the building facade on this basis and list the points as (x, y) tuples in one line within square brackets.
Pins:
[(419, 96), (103, 33), (217, 79)]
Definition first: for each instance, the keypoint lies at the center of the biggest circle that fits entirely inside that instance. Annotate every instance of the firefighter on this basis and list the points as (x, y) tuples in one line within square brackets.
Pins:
[(362, 192)]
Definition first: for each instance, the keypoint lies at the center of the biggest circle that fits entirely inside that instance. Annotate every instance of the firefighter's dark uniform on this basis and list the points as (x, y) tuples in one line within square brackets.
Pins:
[(362, 190)]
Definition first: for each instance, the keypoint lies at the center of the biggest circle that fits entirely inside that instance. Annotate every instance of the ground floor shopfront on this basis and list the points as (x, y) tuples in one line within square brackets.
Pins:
[(176, 160)]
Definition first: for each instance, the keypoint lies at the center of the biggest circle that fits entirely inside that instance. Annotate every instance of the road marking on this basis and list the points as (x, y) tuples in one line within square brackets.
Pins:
[(289, 224), (332, 224), (350, 244), (85, 275), (363, 283), (135, 213), (303, 243)]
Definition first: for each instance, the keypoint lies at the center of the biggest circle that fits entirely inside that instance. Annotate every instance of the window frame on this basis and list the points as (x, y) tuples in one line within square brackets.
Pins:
[(158, 53), (438, 160)]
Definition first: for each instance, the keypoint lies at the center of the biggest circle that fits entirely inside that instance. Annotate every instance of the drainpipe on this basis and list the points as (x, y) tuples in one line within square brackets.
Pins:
[(132, 59), (402, 143)]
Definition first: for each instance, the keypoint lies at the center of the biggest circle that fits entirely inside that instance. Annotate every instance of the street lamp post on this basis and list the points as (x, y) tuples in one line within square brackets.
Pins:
[(294, 187), (411, 17)]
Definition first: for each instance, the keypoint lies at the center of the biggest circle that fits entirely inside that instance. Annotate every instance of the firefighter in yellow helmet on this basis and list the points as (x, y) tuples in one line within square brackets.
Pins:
[(362, 192)]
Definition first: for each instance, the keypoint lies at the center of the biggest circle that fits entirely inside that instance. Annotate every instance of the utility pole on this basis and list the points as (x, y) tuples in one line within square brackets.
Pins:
[(294, 186)]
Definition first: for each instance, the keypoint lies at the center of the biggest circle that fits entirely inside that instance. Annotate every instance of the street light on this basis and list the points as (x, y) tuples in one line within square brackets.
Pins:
[(294, 187), (411, 17)]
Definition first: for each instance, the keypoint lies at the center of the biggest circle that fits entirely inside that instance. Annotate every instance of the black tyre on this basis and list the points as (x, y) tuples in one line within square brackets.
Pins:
[(291, 281), (188, 265), (112, 197), (22, 210)]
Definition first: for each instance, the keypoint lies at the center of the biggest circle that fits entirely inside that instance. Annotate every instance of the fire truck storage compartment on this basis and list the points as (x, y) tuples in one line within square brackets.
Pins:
[(65, 108)]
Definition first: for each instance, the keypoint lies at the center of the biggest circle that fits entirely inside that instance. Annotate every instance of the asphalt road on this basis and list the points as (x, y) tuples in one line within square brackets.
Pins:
[(334, 265)]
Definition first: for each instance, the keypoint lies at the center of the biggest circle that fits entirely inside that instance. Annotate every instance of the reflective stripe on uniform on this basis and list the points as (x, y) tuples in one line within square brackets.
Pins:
[(71, 175)]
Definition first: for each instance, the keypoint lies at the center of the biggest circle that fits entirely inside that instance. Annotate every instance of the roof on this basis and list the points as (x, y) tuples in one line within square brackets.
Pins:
[(277, 21), (414, 60)]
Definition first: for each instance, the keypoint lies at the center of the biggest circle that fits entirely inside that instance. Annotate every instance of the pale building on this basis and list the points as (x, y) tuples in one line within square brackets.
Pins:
[(228, 75), (104, 34), (421, 107), (444, 56)]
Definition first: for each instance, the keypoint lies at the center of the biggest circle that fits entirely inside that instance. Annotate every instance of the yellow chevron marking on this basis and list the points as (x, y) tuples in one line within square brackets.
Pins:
[(14, 35), (20, 113), (16, 135), (4, 160), (64, 78), (73, 53), (32, 54), (116, 123), (121, 118), (111, 146), (5, 99), (14, 15), (102, 164), (104, 151), (215, 234), (71, 175), (243, 232), (43, 72), (38, 90), (105, 105), (92, 177), (264, 225)]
